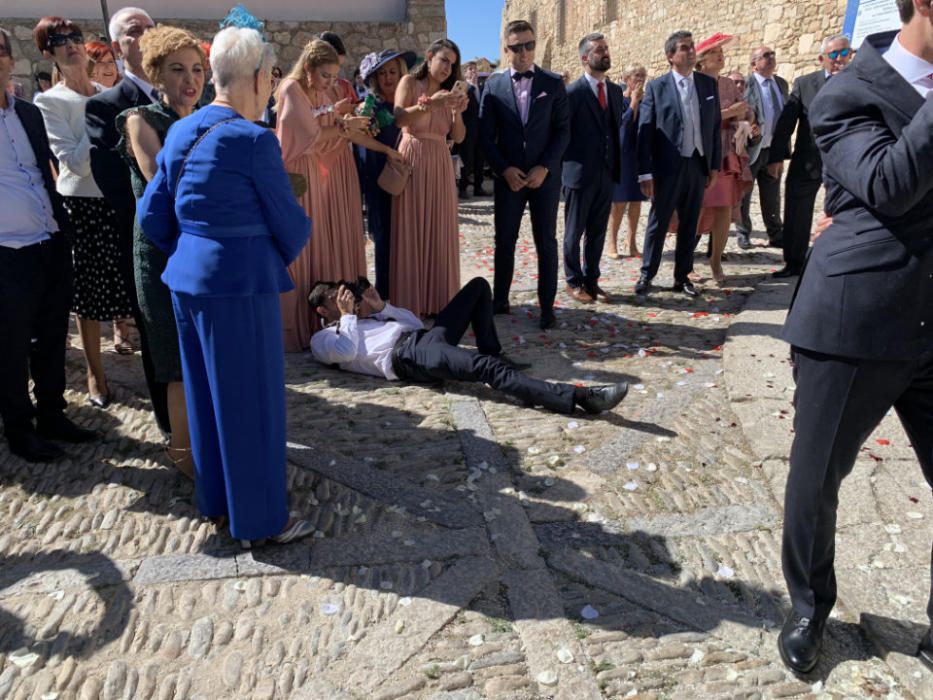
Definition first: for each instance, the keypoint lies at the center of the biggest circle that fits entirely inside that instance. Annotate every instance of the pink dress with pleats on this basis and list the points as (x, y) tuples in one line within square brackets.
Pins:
[(336, 249), (425, 245)]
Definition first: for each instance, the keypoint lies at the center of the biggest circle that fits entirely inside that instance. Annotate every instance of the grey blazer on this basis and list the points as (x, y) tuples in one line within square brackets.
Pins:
[(754, 99)]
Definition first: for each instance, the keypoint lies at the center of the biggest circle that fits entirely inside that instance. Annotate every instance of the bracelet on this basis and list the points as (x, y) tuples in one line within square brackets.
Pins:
[(424, 102)]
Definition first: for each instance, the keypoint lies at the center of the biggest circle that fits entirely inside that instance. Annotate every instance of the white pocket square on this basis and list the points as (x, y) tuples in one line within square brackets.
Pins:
[(543, 94), (710, 97)]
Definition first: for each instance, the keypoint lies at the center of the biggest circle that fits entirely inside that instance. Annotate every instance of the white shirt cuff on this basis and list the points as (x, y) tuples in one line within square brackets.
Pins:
[(645, 178)]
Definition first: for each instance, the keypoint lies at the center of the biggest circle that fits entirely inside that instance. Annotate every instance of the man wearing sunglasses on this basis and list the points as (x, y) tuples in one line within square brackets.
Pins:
[(525, 128), (806, 167)]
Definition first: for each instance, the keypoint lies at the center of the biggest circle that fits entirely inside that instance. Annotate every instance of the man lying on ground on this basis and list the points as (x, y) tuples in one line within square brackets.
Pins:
[(369, 336)]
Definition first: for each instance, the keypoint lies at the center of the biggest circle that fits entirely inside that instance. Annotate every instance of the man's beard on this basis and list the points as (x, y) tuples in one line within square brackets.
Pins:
[(601, 64)]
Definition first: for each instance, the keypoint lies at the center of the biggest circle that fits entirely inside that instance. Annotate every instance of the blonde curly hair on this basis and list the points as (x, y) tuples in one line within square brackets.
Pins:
[(316, 52), (160, 41)]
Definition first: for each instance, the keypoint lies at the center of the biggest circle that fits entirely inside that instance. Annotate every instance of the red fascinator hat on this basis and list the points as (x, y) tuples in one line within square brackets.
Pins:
[(718, 39)]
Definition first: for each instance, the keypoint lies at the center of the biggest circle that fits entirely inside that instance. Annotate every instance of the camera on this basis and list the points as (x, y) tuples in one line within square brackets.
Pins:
[(356, 288)]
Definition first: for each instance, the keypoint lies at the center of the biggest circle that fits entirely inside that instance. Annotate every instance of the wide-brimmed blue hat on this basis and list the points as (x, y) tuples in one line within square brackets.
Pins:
[(374, 61)]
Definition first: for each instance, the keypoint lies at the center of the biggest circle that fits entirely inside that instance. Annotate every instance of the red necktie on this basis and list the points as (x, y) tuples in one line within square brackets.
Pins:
[(601, 94)]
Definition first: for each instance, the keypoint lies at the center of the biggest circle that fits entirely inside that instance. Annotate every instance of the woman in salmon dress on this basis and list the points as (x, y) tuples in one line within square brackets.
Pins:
[(425, 247), (315, 137)]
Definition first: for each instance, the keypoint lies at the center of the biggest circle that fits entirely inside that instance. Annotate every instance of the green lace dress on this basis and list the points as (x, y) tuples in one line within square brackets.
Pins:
[(155, 301)]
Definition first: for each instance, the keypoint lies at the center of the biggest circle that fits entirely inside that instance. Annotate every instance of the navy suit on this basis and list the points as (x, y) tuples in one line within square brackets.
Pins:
[(507, 142), (679, 182), (591, 166), (861, 324)]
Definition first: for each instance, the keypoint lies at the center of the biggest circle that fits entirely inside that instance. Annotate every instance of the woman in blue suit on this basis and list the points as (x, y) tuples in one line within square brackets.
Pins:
[(220, 205)]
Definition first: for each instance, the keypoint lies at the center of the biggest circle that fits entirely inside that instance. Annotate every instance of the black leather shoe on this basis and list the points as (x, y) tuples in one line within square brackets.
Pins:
[(480, 192), (786, 272), (775, 243), (686, 287), (463, 194), (60, 428), (925, 651), (514, 364), (32, 448), (800, 642), (743, 241), (643, 286), (499, 309), (596, 399), (548, 320)]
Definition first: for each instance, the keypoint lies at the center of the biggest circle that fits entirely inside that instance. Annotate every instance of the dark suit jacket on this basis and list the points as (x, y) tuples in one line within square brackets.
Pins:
[(108, 167), (31, 118), (594, 133), (506, 142), (867, 290), (471, 113), (660, 125), (805, 162), (755, 101)]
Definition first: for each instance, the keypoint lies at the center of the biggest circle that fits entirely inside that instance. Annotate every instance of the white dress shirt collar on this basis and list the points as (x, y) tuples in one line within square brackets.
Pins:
[(594, 82), (678, 77), (915, 70), (143, 85)]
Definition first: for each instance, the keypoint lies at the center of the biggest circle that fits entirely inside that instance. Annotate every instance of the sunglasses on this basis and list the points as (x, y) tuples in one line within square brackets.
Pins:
[(4, 51), (56, 40), (518, 48), (841, 53), (766, 55)]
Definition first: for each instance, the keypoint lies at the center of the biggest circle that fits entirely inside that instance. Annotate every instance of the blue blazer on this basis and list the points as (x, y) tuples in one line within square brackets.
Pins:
[(867, 289), (233, 225), (506, 141), (660, 125), (594, 135)]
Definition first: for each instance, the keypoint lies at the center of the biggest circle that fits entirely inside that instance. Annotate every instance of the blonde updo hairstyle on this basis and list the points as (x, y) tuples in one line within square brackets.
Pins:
[(315, 53), (159, 42)]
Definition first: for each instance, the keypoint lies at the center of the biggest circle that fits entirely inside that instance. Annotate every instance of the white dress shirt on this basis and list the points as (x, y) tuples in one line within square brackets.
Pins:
[(63, 114), (364, 345), (772, 111), (27, 216), (915, 70), (143, 85), (594, 85)]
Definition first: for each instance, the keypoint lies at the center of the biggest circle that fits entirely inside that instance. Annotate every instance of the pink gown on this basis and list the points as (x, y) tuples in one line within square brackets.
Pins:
[(424, 259), (336, 250)]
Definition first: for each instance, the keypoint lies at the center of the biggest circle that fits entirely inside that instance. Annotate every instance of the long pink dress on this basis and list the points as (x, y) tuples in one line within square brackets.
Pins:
[(425, 248), (336, 249)]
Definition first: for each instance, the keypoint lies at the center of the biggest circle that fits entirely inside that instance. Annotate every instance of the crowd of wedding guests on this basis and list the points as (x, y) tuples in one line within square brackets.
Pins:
[(202, 192)]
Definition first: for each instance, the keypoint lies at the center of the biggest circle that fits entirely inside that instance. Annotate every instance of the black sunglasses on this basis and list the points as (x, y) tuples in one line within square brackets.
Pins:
[(518, 48), (766, 54), (56, 40), (841, 53)]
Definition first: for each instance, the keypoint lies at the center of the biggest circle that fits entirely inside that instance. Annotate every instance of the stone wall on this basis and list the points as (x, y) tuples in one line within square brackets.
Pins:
[(636, 29), (426, 22)]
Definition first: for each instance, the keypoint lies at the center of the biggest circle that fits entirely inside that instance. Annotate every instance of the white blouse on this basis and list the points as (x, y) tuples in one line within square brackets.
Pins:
[(63, 113)]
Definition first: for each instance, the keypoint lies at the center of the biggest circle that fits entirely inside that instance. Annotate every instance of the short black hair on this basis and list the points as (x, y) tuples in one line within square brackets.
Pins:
[(670, 46), (7, 40), (334, 40), (517, 26), (318, 294), (905, 9)]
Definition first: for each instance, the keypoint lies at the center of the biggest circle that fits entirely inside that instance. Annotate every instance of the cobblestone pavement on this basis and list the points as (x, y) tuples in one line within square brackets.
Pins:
[(468, 547)]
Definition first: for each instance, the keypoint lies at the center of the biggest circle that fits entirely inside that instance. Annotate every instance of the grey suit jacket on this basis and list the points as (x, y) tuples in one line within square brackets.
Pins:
[(755, 101)]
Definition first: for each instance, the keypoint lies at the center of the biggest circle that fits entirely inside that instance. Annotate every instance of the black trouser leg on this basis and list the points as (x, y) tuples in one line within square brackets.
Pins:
[(799, 200), (769, 197), (509, 207), (465, 151), (576, 208), (693, 184), (544, 203), (597, 221), (47, 352), (471, 306), (478, 163)]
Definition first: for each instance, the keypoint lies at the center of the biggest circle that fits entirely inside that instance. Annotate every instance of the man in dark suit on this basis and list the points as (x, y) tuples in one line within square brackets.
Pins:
[(806, 167), (108, 167), (679, 155), (525, 128), (591, 166), (471, 150), (35, 281), (766, 94), (861, 325)]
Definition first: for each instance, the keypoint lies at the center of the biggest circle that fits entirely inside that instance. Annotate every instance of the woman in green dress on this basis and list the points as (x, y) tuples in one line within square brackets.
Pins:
[(176, 65)]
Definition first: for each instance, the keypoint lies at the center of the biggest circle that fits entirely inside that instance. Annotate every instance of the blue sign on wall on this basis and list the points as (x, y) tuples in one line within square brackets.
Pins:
[(864, 17)]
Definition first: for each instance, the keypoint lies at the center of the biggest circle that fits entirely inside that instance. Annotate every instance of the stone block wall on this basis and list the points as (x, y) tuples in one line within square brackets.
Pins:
[(426, 21), (636, 29)]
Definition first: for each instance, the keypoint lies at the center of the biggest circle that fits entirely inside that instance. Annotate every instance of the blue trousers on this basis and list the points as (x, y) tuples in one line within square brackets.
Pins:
[(233, 364), (586, 217)]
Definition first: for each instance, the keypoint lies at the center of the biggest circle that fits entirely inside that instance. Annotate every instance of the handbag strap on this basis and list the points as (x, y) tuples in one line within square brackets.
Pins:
[(197, 143)]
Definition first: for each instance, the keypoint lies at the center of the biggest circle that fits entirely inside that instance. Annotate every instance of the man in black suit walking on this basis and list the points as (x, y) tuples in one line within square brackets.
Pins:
[(679, 155), (861, 325), (766, 94), (591, 166), (108, 167), (804, 176), (35, 281), (525, 128)]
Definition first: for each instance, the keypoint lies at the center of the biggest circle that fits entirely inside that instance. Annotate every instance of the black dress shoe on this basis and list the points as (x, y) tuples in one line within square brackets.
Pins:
[(499, 309), (60, 428), (775, 243), (548, 320), (643, 286), (32, 448), (514, 364), (925, 651), (800, 642), (463, 194), (596, 399), (686, 287), (743, 241), (480, 192), (785, 272)]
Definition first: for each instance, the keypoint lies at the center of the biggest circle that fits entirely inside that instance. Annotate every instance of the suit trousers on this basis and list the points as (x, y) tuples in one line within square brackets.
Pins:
[(682, 192), (434, 355), (586, 216), (379, 221), (35, 301), (769, 197), (509, 209), (471, 154), (799, 200), (839, 402), (233, 363)]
